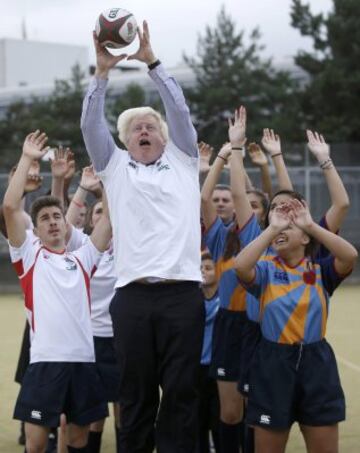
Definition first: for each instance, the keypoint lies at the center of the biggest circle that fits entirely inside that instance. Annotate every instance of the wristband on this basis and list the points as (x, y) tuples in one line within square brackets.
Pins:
[(223, 158), (153, 65), (83, 188), (79, 205), (326, 164), (238, 148), (275, 155)]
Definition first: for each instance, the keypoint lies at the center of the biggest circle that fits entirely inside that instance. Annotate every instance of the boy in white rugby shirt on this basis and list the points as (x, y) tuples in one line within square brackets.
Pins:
[(61, 377)]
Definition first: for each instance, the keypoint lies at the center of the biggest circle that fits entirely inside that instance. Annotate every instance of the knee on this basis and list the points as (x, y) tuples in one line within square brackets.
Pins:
[(231, 415), (35, 447), (78, 439)]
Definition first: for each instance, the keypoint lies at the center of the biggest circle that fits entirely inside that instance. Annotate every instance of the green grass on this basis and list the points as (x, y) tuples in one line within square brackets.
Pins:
[(343, 334)]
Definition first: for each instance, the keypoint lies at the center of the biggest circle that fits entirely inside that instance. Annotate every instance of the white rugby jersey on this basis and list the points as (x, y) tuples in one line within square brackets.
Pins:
[(102, 286), (155, 215), (56, 289)]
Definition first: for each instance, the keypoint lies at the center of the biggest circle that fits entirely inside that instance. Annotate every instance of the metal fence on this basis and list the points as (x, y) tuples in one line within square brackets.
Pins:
[(307, 180)]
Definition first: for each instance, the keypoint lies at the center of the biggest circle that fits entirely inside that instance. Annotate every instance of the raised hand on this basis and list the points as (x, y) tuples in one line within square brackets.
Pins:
[(59, 165), (205, 152), (318, 146), (71, 164), (300, 214), (281, 218), (237, 128), (257, 155), (34, 145), (271, 142), (145, 52), (104, 59), (89, 180)]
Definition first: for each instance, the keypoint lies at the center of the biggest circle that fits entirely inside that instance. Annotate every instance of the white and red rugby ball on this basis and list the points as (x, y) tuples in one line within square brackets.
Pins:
[(116, 28)]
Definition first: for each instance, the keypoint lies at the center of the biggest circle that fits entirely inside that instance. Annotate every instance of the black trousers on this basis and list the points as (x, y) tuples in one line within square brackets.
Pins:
[(158, 333)]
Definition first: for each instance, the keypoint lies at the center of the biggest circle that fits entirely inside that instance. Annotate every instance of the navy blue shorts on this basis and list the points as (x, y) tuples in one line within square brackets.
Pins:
[(52, 388), (251, 335), (229, 353), (291, 383), (107, 367)]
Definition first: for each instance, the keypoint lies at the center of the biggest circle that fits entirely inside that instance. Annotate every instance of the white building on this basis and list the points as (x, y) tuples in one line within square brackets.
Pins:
[(26, 63)]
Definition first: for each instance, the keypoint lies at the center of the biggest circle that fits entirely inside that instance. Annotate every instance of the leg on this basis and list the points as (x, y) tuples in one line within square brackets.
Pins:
[(77, 436), (180, 322), (321, 439), (95, 434), (270, 441), (231, 403), (36, 438), (131, 312), (231, 415)]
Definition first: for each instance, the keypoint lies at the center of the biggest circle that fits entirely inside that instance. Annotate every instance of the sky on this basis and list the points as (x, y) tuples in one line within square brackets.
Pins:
[(174, 25)]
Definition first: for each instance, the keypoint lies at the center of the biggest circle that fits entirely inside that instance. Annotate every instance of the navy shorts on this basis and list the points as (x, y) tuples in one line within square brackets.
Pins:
[(52, 388), (251, 335), (227, 345), (294, 383), (107, 367)]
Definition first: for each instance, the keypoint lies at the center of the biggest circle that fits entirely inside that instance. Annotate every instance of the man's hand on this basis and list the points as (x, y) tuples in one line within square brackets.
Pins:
[(317, 145), (237, 128), (34, 145), (145, 52), (205, 152), (89, 180), (104, 59), (271, 142), (257, 155)]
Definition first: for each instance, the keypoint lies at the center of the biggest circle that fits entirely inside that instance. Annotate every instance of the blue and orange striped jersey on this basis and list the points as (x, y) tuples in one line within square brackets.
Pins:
[(232, 295), (211, 308), (294, 300)]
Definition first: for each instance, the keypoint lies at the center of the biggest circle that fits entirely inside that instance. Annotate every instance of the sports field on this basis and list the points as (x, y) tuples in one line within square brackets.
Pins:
[(343, 333)]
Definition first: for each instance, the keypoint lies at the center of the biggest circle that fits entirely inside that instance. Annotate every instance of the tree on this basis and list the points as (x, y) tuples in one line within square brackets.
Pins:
[(230, 72), (331, 100)]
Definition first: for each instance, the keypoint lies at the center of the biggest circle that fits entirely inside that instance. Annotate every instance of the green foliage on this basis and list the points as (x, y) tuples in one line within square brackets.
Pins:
[(331, 100), (231, 71)]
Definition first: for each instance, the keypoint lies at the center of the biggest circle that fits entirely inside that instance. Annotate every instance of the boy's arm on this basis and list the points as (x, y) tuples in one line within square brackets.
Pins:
[(102, 232), (33, 149), (339, 198), (208, 210)]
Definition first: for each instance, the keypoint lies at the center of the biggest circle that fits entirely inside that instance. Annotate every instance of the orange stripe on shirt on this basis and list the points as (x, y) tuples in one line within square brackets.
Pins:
[(238, 299), (294, 331)]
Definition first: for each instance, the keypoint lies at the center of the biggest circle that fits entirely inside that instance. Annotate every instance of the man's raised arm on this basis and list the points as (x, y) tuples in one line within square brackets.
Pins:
[(181, 129)]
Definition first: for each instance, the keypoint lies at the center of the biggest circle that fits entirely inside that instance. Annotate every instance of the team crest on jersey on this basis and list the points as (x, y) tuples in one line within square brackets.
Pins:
[(70, 264), (281, 276)]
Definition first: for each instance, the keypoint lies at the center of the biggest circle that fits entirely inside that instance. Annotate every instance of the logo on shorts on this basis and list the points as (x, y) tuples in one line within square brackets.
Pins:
[(246, 388), (221, 372), (265, 419), (36, 414)]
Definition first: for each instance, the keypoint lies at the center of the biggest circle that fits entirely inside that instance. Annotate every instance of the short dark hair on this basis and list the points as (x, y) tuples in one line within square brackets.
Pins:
[(46, 201), (206, 256), (223, 187)]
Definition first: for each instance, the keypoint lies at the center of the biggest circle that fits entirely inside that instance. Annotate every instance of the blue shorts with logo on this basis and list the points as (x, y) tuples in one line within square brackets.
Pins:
[(294, 383), (52, 388)]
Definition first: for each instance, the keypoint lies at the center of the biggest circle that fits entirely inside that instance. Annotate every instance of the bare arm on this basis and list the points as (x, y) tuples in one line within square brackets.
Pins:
[(102, 232), (339, 198), (237, 136), (33, 148), (259, 159), (208, 210), (271, 143)]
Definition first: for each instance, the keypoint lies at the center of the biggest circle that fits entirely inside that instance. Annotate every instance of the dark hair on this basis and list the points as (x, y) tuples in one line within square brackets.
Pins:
[(89, 213), (222, 187), (264, 199), (312, 247), (206, 256), (46, 201), (232, 243)]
